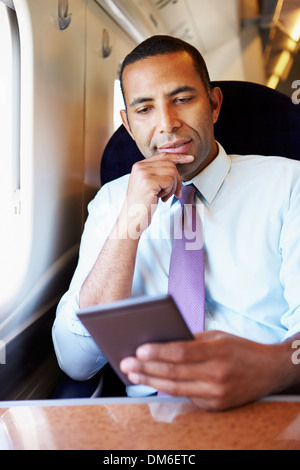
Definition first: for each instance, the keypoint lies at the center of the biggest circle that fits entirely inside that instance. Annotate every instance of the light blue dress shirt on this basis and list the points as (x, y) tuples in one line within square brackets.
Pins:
[(250, 210)]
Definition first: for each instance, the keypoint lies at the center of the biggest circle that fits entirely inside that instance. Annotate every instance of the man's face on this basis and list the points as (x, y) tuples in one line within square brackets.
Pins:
[(169, 111)]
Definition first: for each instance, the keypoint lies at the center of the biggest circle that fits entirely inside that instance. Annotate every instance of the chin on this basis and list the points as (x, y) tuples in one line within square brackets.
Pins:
[(187, 173)]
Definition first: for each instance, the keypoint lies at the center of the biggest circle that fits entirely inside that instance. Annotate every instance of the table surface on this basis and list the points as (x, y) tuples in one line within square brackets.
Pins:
[(143, 424)]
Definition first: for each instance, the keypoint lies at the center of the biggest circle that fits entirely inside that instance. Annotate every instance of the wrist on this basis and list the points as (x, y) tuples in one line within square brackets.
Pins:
[(287, 362), (133, 220)]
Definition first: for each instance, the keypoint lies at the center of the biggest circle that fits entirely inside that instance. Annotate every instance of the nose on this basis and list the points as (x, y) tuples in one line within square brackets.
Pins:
[(168, 121)]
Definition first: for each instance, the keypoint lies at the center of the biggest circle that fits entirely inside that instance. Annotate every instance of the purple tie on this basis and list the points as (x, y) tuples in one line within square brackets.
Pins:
[(186, 276)]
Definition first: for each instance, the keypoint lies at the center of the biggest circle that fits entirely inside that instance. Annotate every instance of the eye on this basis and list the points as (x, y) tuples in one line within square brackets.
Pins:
[(183, 100), (144, 110)]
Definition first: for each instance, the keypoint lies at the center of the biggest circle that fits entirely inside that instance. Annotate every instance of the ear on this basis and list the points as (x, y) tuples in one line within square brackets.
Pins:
[(216, 97), (125, 122)]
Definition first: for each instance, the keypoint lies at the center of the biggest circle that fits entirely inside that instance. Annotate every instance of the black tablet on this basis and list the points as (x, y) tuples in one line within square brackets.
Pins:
[(119, 328)]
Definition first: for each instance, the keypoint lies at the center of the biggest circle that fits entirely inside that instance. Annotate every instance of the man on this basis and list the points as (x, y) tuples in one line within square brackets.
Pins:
[(251, 223)]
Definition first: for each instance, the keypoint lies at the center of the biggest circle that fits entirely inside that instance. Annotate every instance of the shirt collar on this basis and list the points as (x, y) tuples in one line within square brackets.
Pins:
[(209, 181)]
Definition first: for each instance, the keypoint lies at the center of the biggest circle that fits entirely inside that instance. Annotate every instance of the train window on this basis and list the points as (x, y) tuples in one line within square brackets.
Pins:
[(41, 164), (11, 259)]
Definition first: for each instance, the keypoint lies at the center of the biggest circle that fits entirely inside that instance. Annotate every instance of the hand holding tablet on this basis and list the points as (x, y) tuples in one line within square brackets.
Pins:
[(119, 328)]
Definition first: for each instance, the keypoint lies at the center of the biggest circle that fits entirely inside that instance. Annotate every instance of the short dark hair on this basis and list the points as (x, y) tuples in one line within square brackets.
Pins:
[(160, 45)]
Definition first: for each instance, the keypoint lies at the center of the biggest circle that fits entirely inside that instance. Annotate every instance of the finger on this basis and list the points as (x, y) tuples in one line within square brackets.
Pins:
[(129, 364), (177, 188), (177, 158), (159, 174), (188, 389), (161, 160), (176, 352), (167, 370), (165, 181), (203, 395), (173, 189), (178, 192)]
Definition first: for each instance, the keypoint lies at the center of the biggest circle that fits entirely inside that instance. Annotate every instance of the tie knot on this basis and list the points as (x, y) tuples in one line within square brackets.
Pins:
[(188, 193)]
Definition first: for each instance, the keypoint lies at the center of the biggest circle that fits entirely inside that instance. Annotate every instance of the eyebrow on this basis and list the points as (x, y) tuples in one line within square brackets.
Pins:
[(182, 89), (140, 101)]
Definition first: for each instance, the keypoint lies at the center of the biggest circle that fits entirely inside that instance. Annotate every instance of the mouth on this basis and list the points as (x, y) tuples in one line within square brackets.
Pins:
[(180, 146)]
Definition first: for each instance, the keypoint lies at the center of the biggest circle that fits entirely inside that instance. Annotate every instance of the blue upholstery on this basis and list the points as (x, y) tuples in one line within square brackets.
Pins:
[(254, 119)]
